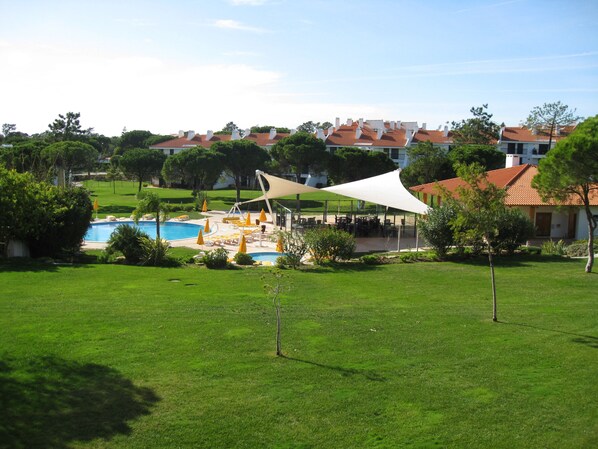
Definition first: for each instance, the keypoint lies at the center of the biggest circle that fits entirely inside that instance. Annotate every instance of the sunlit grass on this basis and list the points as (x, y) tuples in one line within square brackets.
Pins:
[(388, 356)]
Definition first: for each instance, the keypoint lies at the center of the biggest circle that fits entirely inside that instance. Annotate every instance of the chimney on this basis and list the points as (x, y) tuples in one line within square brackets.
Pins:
[(513, 160), (534, 130), (361, 123), (409, 135), (445, 131), (246, 132), (349, 122), (272, 133), (235, 134), (424, 125), (320, 134), (293, 131), (337, 123), (379, 133), (330, 131), (209, 135), (357, 133), (392, 124), (398, 124), (557, 130), (181, 133), (190, 135)]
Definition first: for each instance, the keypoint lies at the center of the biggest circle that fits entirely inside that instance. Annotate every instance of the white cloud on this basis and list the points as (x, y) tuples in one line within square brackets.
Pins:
[(231, 24), (149, 93)]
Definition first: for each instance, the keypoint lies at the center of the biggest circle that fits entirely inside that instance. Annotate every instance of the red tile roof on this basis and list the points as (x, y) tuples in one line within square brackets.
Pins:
[(516, 180)]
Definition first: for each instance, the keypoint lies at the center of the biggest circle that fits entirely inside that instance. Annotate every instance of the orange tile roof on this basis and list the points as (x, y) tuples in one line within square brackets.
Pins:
[(262, 139), (434, 136), (516, 180), (522, 134), (344, 136)]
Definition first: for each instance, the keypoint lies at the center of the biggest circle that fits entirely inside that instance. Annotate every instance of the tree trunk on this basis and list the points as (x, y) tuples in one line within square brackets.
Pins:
[(591, 228), (158, 225), (278, 329), (490, 261), (550, 136), (139, 189), (298, 181), (238, 187)]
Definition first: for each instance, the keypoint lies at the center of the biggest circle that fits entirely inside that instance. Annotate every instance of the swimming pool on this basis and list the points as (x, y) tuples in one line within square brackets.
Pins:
[(170, 230), (265, 257)]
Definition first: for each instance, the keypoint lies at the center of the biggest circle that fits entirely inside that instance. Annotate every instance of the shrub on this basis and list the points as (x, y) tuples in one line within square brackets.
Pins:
[(372, 259), (155, 252), (243, 259), (330, 244), (174, 207), (578, 248), (106, 256), (531, 250), (436, 229), (425, 256), (282, 262), (552, 248), (217, 258), (294, 247), (66, 216), (409, 257), (514, 229), (127, 240)]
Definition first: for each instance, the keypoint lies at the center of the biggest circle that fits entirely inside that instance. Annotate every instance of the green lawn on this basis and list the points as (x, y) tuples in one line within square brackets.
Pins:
[(105, 356), (124, 200)]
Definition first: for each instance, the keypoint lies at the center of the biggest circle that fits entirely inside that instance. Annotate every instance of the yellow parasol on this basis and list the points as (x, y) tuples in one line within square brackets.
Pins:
[(248, 220), (279, 246), (206, 227), (200, 238), (263, 217), (204, 208), (96, 205), (243, 245)]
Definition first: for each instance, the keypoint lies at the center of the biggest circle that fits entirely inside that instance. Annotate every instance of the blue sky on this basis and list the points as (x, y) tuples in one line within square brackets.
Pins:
[(170, 65)]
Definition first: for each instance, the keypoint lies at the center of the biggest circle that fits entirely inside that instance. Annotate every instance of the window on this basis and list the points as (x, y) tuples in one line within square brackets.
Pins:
[(511, 148), (543, 148), (394, 153), (171, 151), (519, 148)]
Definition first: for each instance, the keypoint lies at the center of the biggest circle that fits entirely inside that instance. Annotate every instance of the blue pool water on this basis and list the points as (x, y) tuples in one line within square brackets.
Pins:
[(100, 232), (265, 257)]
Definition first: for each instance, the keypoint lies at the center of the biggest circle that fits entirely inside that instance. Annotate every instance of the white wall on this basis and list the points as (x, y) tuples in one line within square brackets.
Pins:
[(559, 223), (581, 233)]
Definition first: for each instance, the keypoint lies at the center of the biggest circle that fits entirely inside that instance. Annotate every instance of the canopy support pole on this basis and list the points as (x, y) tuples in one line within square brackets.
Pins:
[(259, 178), (399, 239)]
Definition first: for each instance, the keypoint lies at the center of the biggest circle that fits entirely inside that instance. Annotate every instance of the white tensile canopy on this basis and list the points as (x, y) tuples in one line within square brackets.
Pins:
[(280, 187), (386, 190)]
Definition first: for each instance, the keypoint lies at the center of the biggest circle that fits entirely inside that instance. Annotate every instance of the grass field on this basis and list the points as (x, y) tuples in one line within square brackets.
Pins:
[(105, 356), (124, 200)]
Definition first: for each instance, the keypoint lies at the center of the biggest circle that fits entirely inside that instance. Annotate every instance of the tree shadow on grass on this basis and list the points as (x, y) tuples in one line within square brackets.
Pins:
[(345, 372), (26, 265), (49, 402), (588, 340)]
